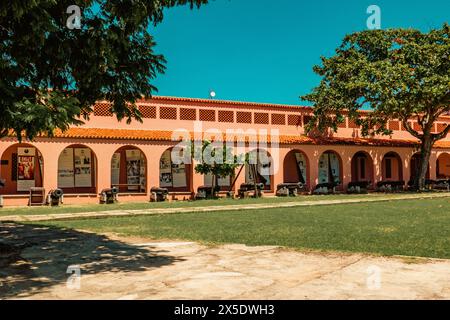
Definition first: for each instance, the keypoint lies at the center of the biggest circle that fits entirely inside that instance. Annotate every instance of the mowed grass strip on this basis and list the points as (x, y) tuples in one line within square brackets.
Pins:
[(7, 211), (410, 228)]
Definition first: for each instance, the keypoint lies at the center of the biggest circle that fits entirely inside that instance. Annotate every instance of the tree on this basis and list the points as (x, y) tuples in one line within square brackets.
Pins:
[(397, 74), (218, 166), (51, 75)]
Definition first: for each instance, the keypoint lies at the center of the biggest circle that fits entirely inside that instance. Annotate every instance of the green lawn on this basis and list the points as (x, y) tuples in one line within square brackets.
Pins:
[(412, 228), (147, 205)]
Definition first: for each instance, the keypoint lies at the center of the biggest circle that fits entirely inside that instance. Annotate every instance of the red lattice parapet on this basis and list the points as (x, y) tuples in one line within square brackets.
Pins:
[(394, 125), (243, 117), (278, 118), (441, 127), (188, 114), (168, 113), (261, 118), (207, 115), (306, 120), (352, 124), (294, 120), (102, 110), (147, 111), (226, 116)]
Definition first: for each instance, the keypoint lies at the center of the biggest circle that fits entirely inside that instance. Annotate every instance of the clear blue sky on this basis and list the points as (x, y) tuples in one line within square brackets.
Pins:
[(264, 50)]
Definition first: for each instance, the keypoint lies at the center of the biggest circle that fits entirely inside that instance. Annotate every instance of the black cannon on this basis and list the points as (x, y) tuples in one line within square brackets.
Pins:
[(325, 188), (289, 189), (359, 187), (109, 196), (205, 192), (55, 197), (158, 194), (442, 184), (391, 186), (2, 184), (246, 188)]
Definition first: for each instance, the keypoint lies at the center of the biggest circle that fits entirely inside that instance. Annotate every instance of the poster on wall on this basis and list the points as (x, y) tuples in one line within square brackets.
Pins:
[(334, 163), (301, 163), (65, 169), (25, 168), (323, 169), (179, 175), (133, 169), (165, 170), (222, 182), (142, 177), (115, 169), (264, 170), (82, 167)]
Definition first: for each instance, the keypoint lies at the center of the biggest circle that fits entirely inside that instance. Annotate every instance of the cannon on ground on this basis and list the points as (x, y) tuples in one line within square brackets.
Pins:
[(55, 197), (109, 195), (247, 188), (158, 194), (289, 189), (205, 192)]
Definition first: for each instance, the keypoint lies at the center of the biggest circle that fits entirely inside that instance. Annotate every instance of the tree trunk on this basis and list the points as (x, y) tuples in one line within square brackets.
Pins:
[(425, 153), (213, 185)]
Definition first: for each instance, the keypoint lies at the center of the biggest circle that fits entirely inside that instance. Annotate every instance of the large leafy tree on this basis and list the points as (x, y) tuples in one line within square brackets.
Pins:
[(399, 74), (218, 161), (50, 74)]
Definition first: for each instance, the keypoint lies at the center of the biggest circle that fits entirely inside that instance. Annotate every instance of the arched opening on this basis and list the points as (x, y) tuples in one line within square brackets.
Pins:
[(296, 167), (443, 166), (260, 168), (330, 168), (22, 167), (392, 169), (77, 170), (129, 170), (362, 167), (415, 167), (174, 176)]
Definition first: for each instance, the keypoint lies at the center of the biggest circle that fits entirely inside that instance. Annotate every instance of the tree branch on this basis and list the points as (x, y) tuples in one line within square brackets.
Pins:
[(441, 135), (408, 128)]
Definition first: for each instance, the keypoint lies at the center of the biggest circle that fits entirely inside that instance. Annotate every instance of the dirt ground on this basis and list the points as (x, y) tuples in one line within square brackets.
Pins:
[(34, 262)]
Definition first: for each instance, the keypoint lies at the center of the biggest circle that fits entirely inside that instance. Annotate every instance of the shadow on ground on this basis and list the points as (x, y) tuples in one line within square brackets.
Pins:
[(35, 257)]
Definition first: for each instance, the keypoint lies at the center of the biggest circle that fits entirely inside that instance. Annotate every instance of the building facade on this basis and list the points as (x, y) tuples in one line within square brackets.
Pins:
[(138, 156)]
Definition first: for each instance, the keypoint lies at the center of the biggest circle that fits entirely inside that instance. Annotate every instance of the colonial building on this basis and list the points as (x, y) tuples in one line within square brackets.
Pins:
[(136, 157)]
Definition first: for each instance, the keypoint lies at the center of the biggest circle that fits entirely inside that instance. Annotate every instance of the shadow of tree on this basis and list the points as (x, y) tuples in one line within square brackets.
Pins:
[(35, 257)]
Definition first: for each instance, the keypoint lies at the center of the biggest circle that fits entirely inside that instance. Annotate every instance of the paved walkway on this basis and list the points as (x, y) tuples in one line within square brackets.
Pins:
[(159, 211), (129, 269)]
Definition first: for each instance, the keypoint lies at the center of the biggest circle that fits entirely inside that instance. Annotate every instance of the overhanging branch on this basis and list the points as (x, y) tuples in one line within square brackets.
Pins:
[(441, 135), (413, 132)]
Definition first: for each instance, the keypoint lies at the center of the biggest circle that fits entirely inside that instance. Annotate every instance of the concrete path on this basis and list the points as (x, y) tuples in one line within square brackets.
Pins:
[(186, 270), (159, 211)]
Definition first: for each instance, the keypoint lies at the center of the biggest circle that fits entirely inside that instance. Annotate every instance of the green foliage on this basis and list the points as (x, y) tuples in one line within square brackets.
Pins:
[(111, 57), (398, 74), (220, 169)]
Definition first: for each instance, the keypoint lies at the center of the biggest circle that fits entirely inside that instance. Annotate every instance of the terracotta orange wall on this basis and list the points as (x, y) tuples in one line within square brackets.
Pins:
[(444, 165), (347, 130), (103, 150)]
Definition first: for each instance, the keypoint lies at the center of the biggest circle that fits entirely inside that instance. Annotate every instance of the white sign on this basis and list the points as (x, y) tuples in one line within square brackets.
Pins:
[(83, 169), (115, 168), (301, 163), (133, 168), (65, 169)]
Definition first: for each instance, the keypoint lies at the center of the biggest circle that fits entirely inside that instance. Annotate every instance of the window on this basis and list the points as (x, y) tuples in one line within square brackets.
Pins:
[(362, 162), (388, 168)]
